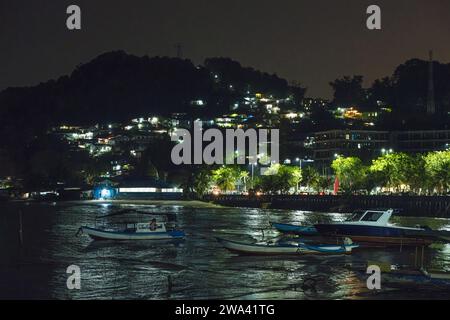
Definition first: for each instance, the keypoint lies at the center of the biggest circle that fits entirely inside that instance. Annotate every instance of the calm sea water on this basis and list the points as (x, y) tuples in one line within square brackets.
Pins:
[(197, 268)]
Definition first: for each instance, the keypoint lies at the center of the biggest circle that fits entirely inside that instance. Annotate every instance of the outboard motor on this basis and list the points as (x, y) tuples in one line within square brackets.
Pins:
[(348, 241)]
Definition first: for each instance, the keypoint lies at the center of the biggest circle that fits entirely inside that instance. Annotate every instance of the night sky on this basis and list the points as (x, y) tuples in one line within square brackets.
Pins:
[(312, 41)]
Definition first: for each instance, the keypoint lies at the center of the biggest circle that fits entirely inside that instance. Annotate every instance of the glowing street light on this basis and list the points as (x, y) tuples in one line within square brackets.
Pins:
[(387, 151), (253, 164)]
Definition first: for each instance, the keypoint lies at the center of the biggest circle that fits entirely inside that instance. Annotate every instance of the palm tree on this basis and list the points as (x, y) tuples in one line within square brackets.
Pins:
[(310, 176), (226, 177), (201, 182)]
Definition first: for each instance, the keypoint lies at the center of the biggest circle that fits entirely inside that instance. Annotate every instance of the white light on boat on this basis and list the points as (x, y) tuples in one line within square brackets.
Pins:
[(105, 193)]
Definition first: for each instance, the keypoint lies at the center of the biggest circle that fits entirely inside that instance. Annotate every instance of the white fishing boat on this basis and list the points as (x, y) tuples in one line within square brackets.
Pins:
[(287, 248), (132, 231)]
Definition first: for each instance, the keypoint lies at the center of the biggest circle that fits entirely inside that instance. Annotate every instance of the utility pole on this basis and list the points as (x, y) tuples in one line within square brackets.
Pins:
[(431, 106), (179, 48)]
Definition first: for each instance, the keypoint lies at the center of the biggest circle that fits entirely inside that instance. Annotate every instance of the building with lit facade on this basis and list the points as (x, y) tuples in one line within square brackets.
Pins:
[(369, 144), (362, 143)]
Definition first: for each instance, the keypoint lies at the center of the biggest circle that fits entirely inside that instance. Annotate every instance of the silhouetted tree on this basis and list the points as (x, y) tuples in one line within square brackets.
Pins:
[(348, 91)]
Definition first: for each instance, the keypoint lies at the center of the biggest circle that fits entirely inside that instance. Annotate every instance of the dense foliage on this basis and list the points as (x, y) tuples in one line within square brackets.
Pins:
[(399, 172)]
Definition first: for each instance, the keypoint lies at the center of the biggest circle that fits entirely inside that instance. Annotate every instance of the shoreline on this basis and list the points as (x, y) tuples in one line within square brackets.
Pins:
[(418, 206), (183, 203), (437, 207)]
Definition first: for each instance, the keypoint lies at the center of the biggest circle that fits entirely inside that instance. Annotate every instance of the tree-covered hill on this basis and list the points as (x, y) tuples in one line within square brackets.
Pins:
[(117, 86)]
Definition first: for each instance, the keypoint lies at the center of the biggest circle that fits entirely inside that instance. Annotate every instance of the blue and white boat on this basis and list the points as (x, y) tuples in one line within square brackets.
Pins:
[(372, 226), (133, 231), (287, 248), (294, 229)]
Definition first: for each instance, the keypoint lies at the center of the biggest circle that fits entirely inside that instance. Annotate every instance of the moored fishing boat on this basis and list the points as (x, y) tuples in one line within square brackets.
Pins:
[(133, 231), (294, 229), (372, 226), (287, 248)]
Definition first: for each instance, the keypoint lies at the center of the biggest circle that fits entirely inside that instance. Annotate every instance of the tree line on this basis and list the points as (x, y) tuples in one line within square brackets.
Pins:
[(277, 179), (422, 174)]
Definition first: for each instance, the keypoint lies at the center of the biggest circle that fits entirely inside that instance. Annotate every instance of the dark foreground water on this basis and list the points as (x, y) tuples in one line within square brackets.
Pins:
[(196, 268)]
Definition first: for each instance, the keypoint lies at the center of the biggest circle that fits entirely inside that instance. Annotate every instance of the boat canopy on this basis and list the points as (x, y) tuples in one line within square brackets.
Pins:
[(145, 227), (372, 217)]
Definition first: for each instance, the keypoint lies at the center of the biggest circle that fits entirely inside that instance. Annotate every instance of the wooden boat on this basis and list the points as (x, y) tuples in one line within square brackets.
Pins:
[(294, 229), (286, 248), (133, 231), (372, 227)]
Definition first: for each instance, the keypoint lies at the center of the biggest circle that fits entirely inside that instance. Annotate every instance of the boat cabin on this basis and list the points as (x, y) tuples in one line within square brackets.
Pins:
[(371, 217), (145, 227)]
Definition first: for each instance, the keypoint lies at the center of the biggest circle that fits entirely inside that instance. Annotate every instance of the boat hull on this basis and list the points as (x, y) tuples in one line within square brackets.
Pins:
[(300, 230), (301, 249), (98, 234), (374, 234)]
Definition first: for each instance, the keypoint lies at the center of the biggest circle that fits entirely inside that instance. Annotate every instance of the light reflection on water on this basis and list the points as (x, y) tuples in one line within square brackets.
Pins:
[(196, 268)]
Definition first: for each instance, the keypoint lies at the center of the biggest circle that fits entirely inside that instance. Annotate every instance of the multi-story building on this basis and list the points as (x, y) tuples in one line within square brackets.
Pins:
[(421, 141), (367, 144), (362, 143)]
